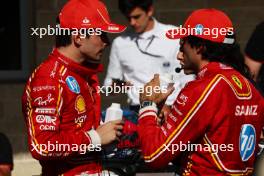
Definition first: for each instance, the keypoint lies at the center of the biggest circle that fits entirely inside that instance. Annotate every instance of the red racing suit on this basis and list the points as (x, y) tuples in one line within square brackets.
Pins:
[(215, 123), (61, 105)]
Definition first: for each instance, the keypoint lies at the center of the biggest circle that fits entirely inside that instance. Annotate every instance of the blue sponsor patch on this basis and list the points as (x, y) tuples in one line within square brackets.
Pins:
[(199, 29), (73, 84), (247, 141)]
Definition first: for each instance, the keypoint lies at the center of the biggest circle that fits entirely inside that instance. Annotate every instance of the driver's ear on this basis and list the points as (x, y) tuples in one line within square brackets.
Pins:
[(77, 39), (150, 11), (200, 49)]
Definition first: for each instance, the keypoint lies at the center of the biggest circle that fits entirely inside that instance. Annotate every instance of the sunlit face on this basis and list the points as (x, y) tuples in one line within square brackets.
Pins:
[(139, 19), (188, 58)]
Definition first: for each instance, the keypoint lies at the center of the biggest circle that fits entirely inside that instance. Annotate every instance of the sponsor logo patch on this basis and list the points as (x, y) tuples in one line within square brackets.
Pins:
[(247, 141), (113, 28), (182, 99), (80, 120), (40, 88), (237, 81), (73, 84), (80, 104), (199, 29), (46, 119), (47, 128), (45, 110), (44, 101), (86, 21)]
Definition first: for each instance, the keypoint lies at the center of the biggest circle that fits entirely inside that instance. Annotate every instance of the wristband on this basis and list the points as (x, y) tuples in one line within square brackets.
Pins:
[(147, 103)]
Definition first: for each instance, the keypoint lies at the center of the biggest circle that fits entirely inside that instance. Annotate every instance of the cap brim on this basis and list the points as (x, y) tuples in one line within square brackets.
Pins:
[(113, 28), (174, 34)]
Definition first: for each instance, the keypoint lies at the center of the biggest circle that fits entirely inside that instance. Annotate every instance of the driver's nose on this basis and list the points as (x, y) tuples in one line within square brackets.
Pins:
[(180, 56)]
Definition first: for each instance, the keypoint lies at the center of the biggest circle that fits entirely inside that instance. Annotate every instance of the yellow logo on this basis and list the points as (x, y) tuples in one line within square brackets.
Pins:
[(237, 81), (80, 104)]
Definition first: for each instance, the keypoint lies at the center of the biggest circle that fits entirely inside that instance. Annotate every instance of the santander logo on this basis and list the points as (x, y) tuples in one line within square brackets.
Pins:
[(86, 21), (174, 34), (171, 34)]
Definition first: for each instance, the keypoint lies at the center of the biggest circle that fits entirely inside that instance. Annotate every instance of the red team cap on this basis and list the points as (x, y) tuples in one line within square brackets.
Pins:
[(79, 14), (209, 24)]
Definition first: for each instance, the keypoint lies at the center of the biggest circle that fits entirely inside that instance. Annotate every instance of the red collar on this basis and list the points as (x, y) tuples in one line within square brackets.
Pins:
[(212, 67), (87, 70)]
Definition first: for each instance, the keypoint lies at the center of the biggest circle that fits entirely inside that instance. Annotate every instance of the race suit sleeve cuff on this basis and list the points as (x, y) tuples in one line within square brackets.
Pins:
[(148, 111), (94, 136)]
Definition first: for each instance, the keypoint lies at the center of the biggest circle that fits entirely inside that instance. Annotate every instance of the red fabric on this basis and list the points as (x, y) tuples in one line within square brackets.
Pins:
[(60, 105), (91, 14), (207, 18), (130, 138), (206, 111)]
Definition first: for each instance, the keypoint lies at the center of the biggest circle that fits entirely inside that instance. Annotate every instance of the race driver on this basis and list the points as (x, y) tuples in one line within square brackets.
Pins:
[(61, 101), (217, 119)]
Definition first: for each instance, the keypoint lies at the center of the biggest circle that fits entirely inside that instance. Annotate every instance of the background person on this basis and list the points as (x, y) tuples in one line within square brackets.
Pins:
[(61, 103), (254, 58), (6, 156), (143, 51), (254, 55), (211, 110)]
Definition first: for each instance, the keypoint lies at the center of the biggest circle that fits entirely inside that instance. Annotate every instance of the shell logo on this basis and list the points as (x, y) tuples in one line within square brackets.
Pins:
[(80, 104)]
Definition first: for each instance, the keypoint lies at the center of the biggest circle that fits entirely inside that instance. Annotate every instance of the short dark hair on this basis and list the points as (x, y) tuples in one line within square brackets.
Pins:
[(126, 6), (63, 39), (229, 54)]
